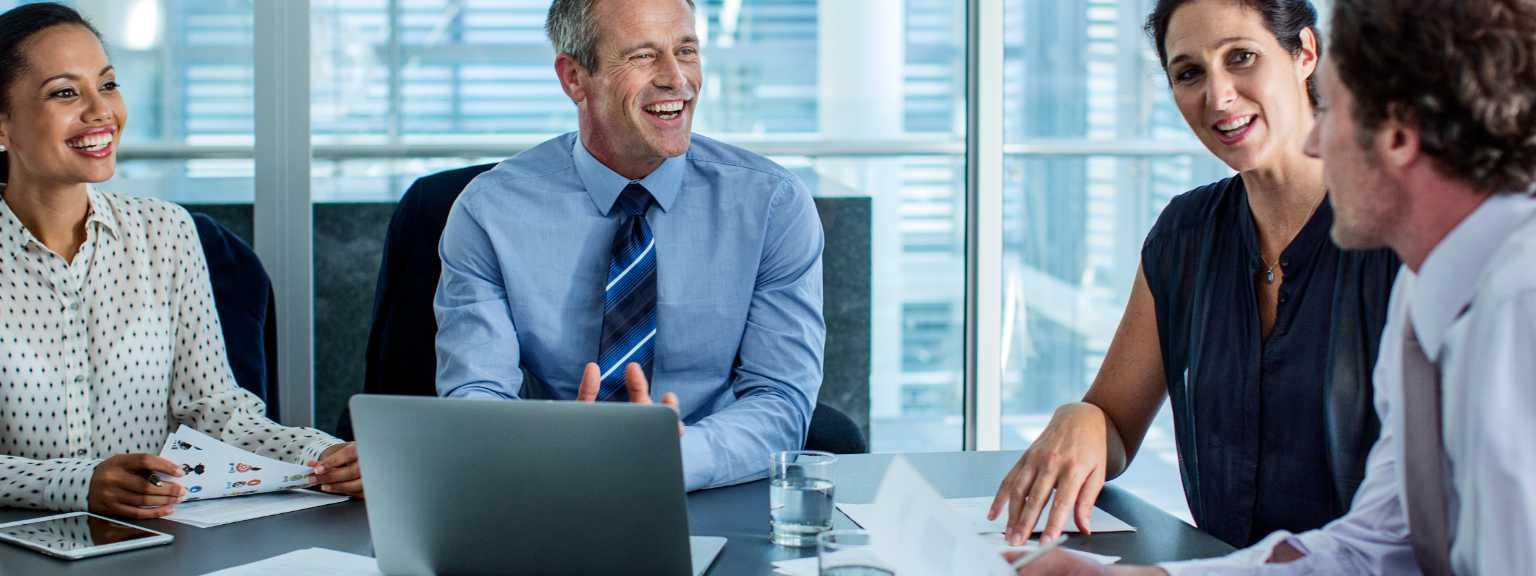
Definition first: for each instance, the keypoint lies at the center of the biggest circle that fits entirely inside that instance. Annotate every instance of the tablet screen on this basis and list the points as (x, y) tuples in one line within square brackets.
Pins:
[(75, 532)]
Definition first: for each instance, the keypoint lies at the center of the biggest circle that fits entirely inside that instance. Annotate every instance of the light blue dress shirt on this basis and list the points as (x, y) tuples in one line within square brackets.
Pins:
[(740, 332)]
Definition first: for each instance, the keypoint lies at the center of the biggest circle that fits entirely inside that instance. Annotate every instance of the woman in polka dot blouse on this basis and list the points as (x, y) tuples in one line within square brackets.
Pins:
[(108, 334)]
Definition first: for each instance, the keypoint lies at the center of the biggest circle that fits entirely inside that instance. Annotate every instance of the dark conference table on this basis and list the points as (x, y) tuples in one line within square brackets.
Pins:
[(739, 513)]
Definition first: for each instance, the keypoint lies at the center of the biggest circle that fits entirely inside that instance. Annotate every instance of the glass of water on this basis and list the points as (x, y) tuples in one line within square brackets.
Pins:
[(800, 496), (848, 553)]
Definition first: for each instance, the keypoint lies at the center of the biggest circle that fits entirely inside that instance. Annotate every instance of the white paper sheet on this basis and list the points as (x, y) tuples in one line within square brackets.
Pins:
[(210, 513), (974, 510), (212, 469), (912, 529), (307, 562), (1002, 546), (808, 566), (797, 567)]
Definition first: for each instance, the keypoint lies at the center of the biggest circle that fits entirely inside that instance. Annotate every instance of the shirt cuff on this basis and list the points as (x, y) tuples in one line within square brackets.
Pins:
[(314, 449), (69, 486), (1245, 561), (698, 460), (477, 392)]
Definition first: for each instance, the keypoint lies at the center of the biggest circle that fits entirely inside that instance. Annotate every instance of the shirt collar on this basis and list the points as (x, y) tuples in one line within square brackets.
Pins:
[(1447, 282), (10, 225), (101, 212), (605, 185)]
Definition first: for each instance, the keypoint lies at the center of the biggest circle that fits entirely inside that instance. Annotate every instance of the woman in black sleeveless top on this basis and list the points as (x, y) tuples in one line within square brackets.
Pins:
[(1261, 331)]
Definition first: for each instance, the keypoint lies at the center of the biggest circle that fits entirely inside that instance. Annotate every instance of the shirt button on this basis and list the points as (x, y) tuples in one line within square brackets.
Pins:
[(1284, 298), (80, 379), (80, 452)]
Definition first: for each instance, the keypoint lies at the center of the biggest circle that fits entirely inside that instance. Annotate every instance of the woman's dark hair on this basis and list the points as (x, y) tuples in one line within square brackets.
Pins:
[(1284, 18), (16, 27)]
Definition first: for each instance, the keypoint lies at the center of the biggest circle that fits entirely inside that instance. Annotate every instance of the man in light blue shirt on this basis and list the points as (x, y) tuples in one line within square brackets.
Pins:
[(634, 252)]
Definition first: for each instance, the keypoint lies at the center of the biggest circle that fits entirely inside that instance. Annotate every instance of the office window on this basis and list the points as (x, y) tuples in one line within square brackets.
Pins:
[(1081, 75), (865, 99), (403, 89), (185, 67)]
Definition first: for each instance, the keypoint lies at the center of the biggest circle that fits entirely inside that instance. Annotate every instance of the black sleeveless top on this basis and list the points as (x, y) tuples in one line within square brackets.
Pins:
[(1272, 434)]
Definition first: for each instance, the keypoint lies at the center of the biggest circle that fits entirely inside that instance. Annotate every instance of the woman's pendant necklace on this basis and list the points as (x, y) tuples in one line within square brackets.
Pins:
[(1269, 275)]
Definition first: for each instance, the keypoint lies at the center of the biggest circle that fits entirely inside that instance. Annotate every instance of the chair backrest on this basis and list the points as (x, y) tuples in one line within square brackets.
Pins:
[(402, 348), (242, 293), (833, 431), (402, 340)]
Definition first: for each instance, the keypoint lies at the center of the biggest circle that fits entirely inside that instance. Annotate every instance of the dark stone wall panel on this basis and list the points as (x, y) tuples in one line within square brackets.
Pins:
[(349, 243)]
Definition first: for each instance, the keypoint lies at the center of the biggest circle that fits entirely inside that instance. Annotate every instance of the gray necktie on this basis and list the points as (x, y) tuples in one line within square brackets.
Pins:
[(1424, 460)]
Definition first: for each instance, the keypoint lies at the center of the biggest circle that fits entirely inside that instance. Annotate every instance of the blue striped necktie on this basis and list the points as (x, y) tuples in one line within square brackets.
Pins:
[(629, 297)]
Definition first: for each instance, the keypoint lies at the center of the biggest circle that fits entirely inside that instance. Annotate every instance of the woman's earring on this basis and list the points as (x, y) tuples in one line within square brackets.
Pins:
[(2, 147)]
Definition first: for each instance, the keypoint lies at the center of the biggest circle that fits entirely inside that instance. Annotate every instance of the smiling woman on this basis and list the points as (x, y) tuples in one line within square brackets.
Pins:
[(1238, 279), (59, 119), (108, 324), (47, 127)]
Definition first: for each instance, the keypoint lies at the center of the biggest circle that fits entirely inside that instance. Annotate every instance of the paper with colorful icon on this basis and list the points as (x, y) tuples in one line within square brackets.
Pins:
[(212, 469)]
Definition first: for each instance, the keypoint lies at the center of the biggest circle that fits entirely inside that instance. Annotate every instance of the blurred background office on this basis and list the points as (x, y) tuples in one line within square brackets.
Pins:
[(877, 104)]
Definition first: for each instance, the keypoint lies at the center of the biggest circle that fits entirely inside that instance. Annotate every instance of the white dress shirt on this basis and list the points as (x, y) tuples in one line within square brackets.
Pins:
[(106, 354), (1487, 360)]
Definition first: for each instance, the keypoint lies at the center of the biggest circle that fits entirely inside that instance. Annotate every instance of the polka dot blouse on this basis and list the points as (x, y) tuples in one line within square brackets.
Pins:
[(107, 354)]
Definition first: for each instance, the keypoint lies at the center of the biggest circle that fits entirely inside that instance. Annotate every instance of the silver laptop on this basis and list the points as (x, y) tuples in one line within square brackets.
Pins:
[(525, 487)]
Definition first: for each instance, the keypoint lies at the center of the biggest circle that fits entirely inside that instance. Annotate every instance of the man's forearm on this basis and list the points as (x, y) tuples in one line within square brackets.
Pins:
[(733, 445)]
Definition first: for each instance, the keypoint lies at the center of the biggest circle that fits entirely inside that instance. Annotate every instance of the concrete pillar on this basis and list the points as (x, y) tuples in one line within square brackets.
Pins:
[(861, 58)]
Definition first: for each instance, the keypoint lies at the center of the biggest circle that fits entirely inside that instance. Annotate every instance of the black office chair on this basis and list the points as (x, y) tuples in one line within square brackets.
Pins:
[(402, 340), (402, 353), (833, 431), (242, 293)]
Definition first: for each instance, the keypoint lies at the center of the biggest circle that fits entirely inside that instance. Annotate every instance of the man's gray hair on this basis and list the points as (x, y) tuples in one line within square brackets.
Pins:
[(573, 30)]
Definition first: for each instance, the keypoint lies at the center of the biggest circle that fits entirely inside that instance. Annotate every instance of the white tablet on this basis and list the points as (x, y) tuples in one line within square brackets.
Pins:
[(79, 535)]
